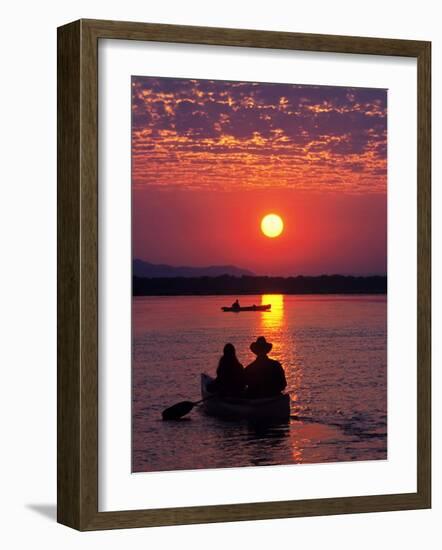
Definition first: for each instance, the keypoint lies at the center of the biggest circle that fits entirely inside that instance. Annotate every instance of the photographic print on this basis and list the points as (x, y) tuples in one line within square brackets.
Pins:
[(259, 252)]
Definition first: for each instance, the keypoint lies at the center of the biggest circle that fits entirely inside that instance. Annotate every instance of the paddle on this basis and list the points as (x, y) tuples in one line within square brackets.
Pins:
[(182, 408)]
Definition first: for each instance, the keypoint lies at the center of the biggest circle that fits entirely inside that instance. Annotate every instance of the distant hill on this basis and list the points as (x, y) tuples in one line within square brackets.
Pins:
[(148, 270)]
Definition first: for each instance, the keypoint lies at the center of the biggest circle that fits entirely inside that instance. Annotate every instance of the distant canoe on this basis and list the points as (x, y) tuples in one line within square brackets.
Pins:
[(265, 307), (263, 409)]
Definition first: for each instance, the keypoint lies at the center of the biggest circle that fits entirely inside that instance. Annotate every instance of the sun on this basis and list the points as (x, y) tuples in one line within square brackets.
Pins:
[(272, 225)]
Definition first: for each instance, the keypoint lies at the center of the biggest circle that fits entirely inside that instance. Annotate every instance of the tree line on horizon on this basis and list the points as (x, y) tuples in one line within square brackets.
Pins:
[(228, 284)]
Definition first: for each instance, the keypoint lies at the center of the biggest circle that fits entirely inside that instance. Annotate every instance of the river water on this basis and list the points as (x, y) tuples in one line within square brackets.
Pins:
[(334, 352)]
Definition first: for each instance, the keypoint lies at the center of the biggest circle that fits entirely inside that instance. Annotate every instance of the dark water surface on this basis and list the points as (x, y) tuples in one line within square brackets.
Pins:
[(333, 350)]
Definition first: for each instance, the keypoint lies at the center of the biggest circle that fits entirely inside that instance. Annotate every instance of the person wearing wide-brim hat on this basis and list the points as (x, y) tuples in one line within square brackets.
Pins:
[(264, 377)]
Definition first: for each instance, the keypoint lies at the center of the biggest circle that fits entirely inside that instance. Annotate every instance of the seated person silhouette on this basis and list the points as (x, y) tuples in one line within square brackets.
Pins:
[(264, 376), (229, 379), (235, 304)]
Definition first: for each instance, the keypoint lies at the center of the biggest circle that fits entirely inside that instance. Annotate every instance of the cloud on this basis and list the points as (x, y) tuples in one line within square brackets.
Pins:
[(203, 133)]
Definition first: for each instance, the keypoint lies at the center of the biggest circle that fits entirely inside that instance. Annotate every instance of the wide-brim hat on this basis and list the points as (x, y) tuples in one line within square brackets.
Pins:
[(261, 346)]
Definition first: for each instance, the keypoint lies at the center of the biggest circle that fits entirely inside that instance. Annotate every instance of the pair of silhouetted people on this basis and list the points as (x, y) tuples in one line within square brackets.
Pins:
[(264, 377)]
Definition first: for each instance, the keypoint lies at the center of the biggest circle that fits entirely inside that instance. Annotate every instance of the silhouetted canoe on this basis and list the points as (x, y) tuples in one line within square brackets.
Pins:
[(269, 408), (265, 307)]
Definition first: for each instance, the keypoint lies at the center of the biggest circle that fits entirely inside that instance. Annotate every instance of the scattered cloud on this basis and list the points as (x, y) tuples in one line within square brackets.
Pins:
[(198, 134)]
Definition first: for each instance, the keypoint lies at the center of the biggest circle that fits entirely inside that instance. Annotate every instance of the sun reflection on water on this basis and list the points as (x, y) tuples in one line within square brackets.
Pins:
[(273, 324), (276, 329), (273, 319)]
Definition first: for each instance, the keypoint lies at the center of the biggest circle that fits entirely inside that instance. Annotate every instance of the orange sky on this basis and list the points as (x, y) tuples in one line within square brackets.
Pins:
[(210, 158)]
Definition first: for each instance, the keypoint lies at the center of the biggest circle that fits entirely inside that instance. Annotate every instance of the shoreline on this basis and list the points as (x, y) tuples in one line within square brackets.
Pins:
[(226, 285), (229, 293)]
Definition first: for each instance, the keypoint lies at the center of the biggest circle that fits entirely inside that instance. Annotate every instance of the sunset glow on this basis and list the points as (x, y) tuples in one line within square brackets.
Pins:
[(211, 158)]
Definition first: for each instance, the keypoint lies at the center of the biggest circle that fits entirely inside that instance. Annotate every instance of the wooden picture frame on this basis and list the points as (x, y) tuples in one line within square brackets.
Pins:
[(78, 274)]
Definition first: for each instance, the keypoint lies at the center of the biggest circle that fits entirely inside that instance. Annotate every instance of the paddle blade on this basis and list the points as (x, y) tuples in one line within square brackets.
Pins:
[(178, 410)]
